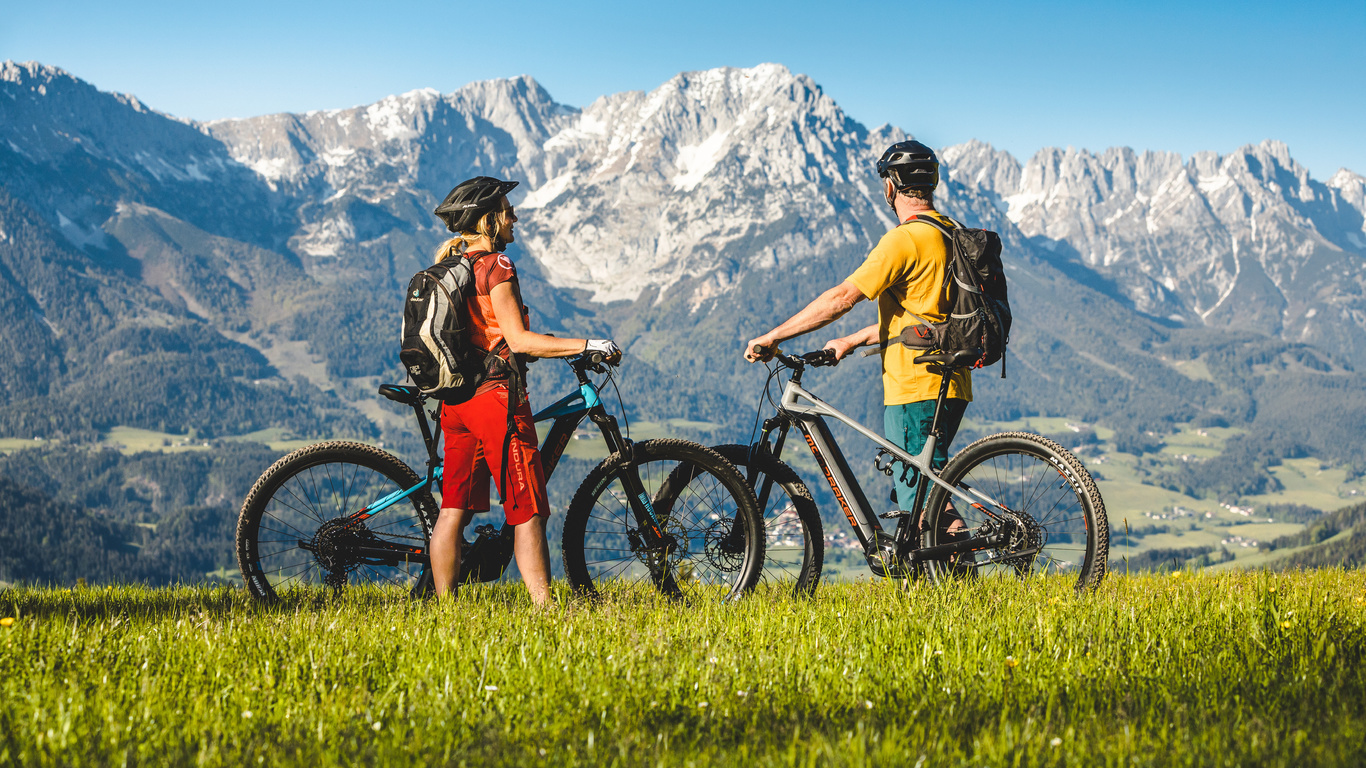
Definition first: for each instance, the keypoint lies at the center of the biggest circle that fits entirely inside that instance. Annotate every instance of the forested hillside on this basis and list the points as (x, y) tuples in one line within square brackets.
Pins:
[(1339, 539)]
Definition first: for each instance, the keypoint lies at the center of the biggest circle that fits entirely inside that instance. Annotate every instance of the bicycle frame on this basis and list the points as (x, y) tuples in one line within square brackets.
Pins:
[(807, 412), (567, 414)]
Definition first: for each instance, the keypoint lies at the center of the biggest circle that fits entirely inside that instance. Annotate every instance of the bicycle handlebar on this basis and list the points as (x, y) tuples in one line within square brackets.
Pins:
[(594, 361), (818, 359)]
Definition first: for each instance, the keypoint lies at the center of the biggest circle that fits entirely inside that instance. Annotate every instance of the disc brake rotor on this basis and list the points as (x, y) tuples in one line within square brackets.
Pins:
[(660, 559), (723, 546)]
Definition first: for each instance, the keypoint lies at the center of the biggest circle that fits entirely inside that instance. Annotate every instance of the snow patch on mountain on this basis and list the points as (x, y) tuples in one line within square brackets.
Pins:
[(696, 161)]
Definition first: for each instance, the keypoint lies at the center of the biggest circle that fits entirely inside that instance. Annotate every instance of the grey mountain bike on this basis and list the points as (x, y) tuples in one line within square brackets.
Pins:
[(1012, 503), (669, 515)]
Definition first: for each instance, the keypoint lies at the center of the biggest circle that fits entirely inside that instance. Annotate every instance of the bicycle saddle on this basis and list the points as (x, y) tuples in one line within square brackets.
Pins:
[(961, 359), (400, 393)]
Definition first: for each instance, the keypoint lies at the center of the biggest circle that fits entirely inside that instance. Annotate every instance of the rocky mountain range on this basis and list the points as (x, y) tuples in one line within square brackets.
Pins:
[(240, 274)]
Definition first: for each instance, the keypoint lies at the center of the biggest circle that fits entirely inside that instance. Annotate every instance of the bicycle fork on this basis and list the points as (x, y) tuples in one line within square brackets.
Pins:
[(656, 546)]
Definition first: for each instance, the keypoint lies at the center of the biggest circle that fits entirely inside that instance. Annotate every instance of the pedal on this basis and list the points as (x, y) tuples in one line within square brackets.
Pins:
[(897, 515)]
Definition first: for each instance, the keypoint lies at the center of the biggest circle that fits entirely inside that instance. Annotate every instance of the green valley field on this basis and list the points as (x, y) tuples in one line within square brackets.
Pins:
[(1195, 668)]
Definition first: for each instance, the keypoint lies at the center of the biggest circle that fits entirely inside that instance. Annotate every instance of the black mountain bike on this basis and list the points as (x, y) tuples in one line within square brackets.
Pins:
[(1014, 503), (670, 514)]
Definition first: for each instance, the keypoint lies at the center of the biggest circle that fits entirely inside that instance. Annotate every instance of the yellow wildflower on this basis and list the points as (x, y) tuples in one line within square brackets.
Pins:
[(1011, 662), (1285, 625), (8, 621)]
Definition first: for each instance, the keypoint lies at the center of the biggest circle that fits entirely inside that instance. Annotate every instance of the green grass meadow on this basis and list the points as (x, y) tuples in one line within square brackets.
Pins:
[(1197, 669)]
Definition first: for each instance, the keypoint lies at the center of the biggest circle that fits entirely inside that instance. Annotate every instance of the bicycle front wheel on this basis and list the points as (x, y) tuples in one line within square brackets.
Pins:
[(307, 522), (712, 548), (794, 544), (1047, 509)]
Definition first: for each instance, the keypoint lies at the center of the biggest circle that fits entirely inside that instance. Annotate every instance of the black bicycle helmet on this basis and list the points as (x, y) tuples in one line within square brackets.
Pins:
[(470, 200), (910, 165)]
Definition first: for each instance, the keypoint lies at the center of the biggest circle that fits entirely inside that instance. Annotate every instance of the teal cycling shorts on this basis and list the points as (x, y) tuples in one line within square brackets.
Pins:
[(909, 426)]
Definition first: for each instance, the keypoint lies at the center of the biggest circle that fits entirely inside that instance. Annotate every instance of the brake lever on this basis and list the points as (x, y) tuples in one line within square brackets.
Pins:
[(821, 358)]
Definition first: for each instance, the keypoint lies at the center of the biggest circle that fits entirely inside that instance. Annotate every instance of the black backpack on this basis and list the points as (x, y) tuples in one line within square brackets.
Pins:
[(437, 351), (975, 280)]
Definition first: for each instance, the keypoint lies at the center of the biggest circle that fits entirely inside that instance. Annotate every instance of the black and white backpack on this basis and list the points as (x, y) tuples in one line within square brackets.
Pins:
[(437, 351), (979, 317)]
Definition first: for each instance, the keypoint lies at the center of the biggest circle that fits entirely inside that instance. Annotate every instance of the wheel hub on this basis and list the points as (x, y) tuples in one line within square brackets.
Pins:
[(660, 558), (1026, 537), (336, 545)]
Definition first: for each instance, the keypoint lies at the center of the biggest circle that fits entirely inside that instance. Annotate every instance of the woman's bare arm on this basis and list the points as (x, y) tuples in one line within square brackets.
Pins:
[(507, 308)]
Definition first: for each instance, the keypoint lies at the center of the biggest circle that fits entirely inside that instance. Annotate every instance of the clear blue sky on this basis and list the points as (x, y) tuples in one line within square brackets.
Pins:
[(1178, 76)]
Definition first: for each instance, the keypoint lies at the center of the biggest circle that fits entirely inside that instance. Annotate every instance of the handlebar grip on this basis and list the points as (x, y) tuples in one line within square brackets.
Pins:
[(759, 350), (823, 357)]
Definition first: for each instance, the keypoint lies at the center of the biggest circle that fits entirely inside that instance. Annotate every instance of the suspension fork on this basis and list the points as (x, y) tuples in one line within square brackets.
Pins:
[(766, 487), (647, 517)]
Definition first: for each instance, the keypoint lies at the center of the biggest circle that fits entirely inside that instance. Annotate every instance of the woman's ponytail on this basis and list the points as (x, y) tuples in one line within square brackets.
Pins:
[(490, 225), (452, 247)]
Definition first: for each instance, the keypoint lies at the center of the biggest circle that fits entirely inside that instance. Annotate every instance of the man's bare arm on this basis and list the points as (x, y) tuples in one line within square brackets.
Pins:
[(859, 338), (827, 308)]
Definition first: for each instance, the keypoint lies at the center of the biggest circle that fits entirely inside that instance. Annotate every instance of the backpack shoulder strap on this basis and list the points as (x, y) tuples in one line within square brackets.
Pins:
[(950, 244), (933, 222)]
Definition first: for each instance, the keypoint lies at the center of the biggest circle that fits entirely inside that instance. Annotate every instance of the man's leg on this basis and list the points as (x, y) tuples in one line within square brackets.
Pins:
[(909, 426), (533, 558), (447, 535)]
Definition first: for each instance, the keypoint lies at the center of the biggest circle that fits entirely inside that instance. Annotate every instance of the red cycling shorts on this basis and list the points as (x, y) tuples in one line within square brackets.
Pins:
[(474, 433)]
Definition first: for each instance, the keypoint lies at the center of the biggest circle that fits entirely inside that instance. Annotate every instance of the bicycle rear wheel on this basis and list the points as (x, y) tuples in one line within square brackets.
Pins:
[(304, 522), (794, 543), (1052, 515), (701, 503)]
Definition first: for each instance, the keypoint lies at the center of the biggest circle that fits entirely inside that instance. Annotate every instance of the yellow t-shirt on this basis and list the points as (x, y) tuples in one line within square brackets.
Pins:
[(905, 273)]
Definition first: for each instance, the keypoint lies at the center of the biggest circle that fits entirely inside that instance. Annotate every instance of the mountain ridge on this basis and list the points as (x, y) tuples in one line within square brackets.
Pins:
[(653, 210)]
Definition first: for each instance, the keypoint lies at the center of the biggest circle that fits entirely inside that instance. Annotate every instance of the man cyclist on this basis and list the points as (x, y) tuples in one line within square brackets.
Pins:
[(905, 274)]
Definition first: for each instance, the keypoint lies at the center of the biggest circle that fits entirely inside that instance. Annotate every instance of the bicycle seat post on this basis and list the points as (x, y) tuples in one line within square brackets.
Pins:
[(433, 461)]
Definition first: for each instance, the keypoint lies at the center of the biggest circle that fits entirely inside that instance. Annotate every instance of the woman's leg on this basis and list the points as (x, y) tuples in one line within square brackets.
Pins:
[(447, 535), (522, 485), (464, 492), (533, 558)]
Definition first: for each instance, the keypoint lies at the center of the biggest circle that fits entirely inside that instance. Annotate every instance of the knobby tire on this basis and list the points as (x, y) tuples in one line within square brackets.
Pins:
[(702, 501), (308, 496), (1038, 478)]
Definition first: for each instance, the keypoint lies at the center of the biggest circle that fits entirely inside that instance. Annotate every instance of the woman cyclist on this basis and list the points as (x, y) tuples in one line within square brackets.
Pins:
[(477, 431)]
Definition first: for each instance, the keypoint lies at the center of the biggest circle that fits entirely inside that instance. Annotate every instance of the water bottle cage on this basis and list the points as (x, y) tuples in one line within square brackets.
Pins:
[(885, 469)]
